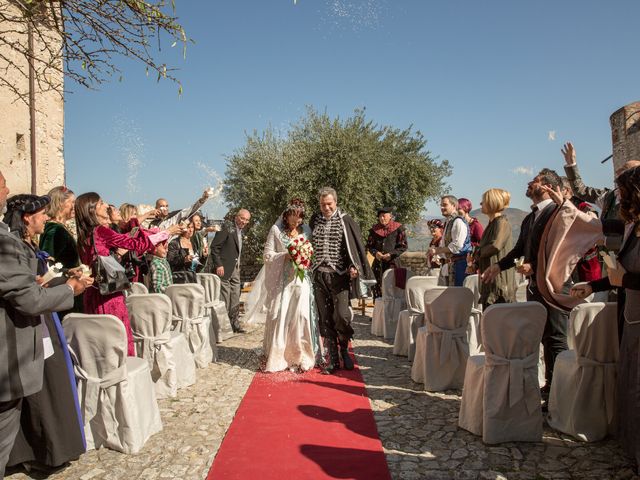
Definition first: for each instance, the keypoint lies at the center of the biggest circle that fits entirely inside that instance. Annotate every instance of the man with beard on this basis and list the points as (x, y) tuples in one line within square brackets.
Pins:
[(454, 245), (554, 338)]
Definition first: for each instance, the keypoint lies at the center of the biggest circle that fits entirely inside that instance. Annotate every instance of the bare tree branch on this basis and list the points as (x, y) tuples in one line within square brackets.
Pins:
[(81, 40)]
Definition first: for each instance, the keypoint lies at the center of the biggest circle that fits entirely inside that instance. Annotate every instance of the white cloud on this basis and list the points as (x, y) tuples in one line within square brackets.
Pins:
[(551, 136), (523, 171)]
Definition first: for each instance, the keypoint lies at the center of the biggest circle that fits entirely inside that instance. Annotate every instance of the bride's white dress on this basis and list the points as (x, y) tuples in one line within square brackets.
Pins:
[(286, 305)]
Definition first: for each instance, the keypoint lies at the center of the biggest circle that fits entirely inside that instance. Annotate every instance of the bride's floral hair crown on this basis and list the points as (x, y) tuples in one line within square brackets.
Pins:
[(295, 206)]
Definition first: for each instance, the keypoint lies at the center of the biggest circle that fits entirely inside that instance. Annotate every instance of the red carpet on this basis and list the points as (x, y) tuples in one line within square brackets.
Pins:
[(302, 426)]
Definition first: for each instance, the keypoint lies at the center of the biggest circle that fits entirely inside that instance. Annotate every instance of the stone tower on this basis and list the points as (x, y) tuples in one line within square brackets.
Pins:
[(15, 131), (625, 134)]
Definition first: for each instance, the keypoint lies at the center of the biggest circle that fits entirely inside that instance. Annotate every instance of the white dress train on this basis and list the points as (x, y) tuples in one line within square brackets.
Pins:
[(286, 305)]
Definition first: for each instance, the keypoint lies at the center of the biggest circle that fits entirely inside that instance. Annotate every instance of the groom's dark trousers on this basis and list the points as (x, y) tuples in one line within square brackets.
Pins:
[(331, 291)]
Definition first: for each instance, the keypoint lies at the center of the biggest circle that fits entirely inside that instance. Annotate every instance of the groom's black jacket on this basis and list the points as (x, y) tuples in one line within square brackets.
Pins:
[(356, 251)]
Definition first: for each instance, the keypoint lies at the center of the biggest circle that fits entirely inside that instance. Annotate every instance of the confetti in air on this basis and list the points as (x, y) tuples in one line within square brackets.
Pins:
[(354, 14), (211, 180), (131, 148), (523, 171), (552, 135)]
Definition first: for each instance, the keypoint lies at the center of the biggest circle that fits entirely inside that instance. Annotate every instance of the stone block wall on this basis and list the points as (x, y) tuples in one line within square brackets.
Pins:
[(625, 134), (415, 261), (15, 135)]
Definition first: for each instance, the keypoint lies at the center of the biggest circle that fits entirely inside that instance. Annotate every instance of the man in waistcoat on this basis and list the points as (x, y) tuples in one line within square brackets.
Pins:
[(454, 245), (339, 265)]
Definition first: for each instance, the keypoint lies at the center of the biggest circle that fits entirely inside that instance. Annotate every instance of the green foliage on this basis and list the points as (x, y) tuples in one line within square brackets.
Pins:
[(367, 164)]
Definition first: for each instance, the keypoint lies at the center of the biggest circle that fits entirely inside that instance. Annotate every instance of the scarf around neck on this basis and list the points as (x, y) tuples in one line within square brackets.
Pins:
[(385, 230)]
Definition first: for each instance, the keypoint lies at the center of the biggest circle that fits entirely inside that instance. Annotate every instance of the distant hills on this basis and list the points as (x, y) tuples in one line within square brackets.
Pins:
[(419, 235)]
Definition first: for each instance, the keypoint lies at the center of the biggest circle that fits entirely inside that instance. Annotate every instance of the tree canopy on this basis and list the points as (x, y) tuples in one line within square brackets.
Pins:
[(81, 38), (369, 165)]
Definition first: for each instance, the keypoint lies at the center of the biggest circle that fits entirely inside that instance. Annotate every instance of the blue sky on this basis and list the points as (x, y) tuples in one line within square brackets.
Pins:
[(485, 82)]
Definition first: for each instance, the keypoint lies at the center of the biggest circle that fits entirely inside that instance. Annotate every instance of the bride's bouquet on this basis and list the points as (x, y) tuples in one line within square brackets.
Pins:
[(301, 253)]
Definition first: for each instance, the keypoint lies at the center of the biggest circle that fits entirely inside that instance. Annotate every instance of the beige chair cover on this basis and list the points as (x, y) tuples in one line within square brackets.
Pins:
[(473, 334), (379, 304), (413, 318), (116, 394), (137, 288), (583, 390), (521, 289), (394, 302), (441, 345), (501, 394), (187, 301), (216, 309), (170, 360)]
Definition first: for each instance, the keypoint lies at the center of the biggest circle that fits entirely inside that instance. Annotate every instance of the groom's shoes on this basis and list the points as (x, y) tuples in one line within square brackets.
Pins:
[(346, 358), (334, 358)]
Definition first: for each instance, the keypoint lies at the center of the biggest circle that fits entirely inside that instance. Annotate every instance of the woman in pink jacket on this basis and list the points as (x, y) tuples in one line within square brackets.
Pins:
[(92, 222)]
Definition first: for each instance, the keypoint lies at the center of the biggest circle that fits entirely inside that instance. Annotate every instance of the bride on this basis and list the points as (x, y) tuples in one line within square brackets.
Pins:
[(291, 339)]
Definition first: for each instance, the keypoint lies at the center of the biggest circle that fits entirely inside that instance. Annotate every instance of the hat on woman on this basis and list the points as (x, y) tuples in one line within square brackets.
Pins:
[(435, 223), (381, 210), (21, 204)]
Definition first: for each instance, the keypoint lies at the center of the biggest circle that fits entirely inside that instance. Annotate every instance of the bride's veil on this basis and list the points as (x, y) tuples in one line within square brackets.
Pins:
[(264, 287)]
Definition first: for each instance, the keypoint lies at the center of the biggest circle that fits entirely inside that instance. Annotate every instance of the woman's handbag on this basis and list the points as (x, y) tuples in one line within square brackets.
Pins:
[(111, 277)]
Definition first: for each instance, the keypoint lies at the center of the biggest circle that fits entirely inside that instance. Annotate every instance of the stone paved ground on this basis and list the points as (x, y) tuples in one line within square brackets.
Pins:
[(418, 429)]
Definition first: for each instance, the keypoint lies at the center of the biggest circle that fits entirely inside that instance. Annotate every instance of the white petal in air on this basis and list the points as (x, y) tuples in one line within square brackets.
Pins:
[(552, 135)]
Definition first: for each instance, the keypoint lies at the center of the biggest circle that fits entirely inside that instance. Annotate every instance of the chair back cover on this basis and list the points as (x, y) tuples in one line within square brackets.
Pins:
[(511, 335), (187, 301), (150, 315), (593, 332), (394, 301), (220, 324), (471, 282), (137, 287), (117, 397), (416, 286), (582, 400), (446, 318), (448, 307), (99, 344), (189, 316)]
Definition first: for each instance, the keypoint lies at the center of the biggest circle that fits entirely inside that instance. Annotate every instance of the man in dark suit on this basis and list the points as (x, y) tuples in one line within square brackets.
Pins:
[(554, 338), (224, 261), (22, 301)]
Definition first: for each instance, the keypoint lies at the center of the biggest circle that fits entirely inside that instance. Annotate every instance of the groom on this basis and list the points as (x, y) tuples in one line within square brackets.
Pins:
[(339, 259)]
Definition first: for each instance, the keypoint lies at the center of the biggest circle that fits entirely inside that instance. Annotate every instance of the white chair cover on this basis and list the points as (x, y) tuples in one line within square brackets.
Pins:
[(116, 394), (583, 390), (170, 360), (413, 318), (394, 302), (521, 289), (187, 301), (473, 334), (216, 309), (137, 288), (377, 318), (441, 345), (501, 394), (380, 309)]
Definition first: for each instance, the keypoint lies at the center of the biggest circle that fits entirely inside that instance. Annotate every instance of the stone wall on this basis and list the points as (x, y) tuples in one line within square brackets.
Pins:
[(416, 262), (15, 143), (625, 134)]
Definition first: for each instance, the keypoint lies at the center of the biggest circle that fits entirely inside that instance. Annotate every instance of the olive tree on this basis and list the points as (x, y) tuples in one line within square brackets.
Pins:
[(369, 165)]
